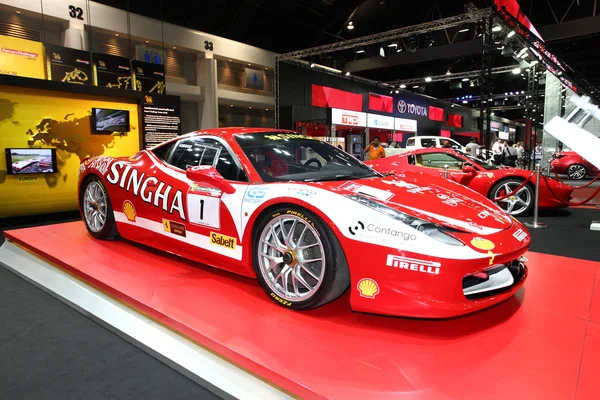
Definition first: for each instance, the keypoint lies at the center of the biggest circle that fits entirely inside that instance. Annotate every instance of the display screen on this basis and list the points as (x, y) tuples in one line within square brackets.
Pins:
[(31, 161), (108, 121)]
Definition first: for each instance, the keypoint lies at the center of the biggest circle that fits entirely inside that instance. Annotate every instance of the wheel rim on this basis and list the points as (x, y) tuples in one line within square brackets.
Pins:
[(94, 206), (576, 172), (291, 258), (517, 203)]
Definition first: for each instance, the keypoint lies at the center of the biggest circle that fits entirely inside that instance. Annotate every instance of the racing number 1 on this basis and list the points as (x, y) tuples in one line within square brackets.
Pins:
[(204, 210)]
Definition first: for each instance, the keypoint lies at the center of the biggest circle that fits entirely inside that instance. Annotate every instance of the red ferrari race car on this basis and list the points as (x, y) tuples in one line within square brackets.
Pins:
[(309, 221), (488, 180), (573, 165)]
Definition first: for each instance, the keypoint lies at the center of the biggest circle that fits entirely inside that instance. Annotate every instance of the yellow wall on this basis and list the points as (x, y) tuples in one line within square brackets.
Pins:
[(42, 119)]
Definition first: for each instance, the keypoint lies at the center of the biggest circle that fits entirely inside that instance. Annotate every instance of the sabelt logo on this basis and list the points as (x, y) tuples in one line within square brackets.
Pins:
[(349, 119), (223, 241), (20, 53), (413, 264)]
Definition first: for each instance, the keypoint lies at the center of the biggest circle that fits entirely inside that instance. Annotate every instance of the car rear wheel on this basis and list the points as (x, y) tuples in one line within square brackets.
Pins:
[(298, 260), (576, 172), (96, 209), (520, 203)]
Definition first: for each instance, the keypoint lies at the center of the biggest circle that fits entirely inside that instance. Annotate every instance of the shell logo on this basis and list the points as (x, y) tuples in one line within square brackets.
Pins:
[(368, 288), (129, 210), (482, 244)]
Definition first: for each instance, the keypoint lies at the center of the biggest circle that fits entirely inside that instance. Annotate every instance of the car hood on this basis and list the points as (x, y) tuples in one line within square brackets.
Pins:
[(433, 199)]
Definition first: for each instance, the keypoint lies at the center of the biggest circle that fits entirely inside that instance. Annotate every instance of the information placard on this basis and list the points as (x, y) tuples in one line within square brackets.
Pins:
[(161, 118)]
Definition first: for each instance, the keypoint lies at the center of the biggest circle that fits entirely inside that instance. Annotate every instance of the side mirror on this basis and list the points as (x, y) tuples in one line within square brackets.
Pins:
[(468, 169), (209, 175)]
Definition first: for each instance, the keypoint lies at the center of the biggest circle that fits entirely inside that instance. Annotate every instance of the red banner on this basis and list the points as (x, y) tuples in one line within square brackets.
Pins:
[(514, 9), (455, 120), (323, 96), (380, 102), (436, 114)]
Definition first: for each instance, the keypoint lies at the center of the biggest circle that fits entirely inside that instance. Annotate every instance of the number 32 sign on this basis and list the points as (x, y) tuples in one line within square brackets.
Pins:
[(204, 210)]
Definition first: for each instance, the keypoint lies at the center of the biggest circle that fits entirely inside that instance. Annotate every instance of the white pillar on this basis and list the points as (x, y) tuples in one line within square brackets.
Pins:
[(208, 108), (75, 37)]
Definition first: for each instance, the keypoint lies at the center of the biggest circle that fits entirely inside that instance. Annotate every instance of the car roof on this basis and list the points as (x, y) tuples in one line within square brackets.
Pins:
[(226, 133)]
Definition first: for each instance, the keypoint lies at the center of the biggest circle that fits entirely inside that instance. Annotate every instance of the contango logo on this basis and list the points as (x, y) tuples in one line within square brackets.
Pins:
[(404, 107)]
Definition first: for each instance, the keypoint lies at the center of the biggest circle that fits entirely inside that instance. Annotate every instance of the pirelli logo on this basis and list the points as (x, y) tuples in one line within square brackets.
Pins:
[(413, 264)]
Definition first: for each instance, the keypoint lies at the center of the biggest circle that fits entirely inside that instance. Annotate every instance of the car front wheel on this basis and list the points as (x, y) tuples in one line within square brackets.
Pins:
[(518, 204), (576, 172), (298, 260)]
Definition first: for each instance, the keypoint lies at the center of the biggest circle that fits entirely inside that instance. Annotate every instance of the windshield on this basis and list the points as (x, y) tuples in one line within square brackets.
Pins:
[(477, 161), (294, 157)]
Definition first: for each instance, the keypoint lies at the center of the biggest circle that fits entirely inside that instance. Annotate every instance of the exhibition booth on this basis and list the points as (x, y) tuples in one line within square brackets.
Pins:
[(60, 105), (264, 264)]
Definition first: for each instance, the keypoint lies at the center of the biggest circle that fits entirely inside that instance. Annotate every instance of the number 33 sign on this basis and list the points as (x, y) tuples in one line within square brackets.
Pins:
[(204, 210)]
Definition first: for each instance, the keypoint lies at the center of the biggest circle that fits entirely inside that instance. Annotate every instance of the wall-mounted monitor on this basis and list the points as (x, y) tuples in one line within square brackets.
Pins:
[(107, 121), (31, 161)]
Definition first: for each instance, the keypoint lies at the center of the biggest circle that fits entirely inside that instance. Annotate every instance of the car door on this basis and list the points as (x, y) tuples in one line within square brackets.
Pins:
[(212, 226)]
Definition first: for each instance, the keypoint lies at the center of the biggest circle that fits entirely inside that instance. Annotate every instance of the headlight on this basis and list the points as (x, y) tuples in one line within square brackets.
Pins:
[(434, 231)]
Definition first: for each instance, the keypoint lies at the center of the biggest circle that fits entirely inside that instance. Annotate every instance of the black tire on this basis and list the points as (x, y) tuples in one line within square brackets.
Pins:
[(516, 183), (574, 172), (109, 230), (336, 278)]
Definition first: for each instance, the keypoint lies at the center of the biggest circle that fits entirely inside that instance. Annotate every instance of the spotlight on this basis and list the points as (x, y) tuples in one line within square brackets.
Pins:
[(516, 71), (312, 65), (360, 51), (397, 91), (350, 25), (465, 79), (348, 73), (403, 86), (428, 79), (465, 102), (381, 51), (448, 72), (463, 30), (510, 34), (497, 28), (393, 45), (416, 87)]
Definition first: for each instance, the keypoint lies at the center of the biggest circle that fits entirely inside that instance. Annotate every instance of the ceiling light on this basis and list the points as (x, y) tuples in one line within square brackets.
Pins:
[(249, 64), (464, 30), (416, 87), (312, 65), (231, 105), (250, 107), (448, 72), (534, 62), (229, 60), (465, 102), (350, 25), (497, 28), (147, 41), (174, 48), (403, 86), (393, 45), (360, 51), (516, 71), (348, 73), (116, 34), (266, 109), (381, 52), (510, 34), (428, 79), (18, 12), (397, 91), (492, 114), (465, 79), (522, 92)]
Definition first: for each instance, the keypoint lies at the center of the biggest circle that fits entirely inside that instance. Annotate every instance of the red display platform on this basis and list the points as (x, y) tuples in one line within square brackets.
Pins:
[(544, 343)]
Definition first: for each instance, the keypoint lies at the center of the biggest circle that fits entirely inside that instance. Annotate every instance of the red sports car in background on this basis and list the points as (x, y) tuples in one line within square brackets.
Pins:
[(573, 165), (309, 221), (488, 180)]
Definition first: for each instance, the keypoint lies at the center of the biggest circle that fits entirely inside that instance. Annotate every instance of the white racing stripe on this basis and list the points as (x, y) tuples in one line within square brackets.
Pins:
[(192, 238)]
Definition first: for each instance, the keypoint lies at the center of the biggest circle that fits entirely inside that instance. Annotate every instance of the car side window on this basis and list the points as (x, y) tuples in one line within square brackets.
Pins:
[(410, 142), (206, 151), (438, 160), (428, 143)]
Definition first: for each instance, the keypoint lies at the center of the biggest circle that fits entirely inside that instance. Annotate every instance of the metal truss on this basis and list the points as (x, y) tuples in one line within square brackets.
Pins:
[(444, 23), (485, 80), (459, 75), (276, 92)]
